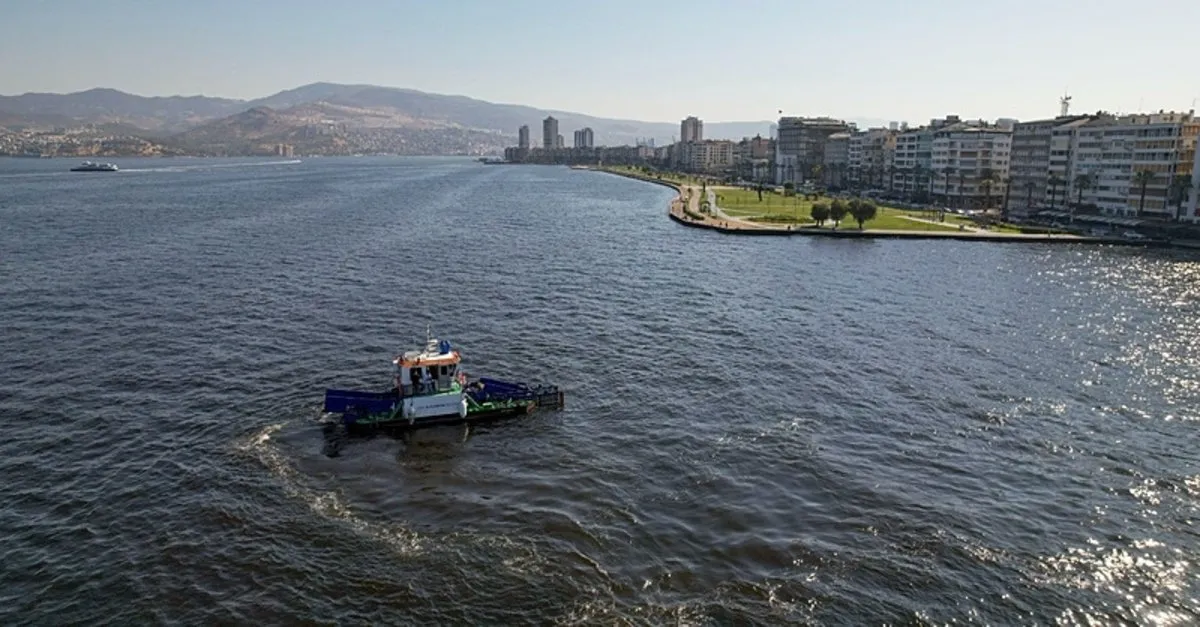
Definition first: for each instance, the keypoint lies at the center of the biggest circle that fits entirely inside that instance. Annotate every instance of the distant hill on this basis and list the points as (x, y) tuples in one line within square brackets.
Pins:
[(104, 106), (199, 119), (329, 129), (12, 120)]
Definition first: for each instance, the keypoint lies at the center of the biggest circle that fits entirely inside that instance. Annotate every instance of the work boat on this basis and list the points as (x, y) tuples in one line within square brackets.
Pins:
[(430, 388)]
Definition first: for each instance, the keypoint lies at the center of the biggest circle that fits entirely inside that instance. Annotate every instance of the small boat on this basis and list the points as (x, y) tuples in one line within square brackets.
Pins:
[(430, 389), (88, 166)]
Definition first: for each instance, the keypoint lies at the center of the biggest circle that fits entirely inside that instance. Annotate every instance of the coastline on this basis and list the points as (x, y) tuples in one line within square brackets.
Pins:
[(690, 216)]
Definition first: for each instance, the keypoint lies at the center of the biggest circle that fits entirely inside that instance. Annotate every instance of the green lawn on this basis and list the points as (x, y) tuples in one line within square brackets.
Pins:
[(774, 207)]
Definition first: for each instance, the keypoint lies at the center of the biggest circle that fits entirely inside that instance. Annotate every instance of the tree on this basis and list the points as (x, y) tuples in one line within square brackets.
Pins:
[(758, 188), (1142, 178), (1007, 195), (1054, 182), (1083, 182), (788, 187), (862, 210), (1179, 192), (837, 211), (962, 199), (947, 172), (819, 213), (987, 178)]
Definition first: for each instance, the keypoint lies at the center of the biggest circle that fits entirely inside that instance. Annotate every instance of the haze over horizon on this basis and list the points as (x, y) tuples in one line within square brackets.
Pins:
[(718, 60)]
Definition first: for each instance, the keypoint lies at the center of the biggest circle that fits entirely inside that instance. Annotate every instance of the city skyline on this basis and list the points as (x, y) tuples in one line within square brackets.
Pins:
[(988, 61)]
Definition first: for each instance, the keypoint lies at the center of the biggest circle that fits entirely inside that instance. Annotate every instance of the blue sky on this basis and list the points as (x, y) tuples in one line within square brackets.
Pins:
[(651, 59)]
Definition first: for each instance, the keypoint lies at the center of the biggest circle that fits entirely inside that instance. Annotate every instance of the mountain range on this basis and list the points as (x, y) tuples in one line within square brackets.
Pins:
[(329, 118)]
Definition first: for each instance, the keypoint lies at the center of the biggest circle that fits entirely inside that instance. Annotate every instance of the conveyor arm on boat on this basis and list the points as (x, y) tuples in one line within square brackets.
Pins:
[(343, 401), (493, 390)]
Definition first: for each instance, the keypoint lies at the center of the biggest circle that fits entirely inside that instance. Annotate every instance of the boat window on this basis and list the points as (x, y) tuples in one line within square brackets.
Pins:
[(444, 371)]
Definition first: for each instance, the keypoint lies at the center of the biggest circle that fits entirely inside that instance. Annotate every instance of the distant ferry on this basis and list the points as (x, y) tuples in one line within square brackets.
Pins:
[(88, 166)]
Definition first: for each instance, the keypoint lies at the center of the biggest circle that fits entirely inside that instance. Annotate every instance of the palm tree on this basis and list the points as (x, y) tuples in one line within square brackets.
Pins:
[(818, 172), (1179, 190), (1007, 193), (1054, 182), (1143, 178), (962, 201), (986, 179), (929, 178), (1082, 182), (947, 172), (918, 172)]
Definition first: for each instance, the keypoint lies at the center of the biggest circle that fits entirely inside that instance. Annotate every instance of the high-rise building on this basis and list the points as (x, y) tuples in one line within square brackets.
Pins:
[(523, 137), (584, 138), (691, 129), (559, 143), (550, 136)]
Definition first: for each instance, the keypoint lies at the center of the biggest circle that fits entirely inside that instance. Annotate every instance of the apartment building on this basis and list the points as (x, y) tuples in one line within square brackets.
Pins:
[(969, 162), (912, 160), (691, 129), (801, 145), (1193, 209), (710, 156), (585, 138), (837, 159), (550, 136), (752, 157), (1113, 150), (870, 155), (1033, 145)]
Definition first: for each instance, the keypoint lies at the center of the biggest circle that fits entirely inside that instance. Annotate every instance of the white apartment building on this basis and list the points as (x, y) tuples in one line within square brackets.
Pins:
[(870, 155), (970, 161), (706, 156), (1111, 151), (912, 160), (1035, 146)]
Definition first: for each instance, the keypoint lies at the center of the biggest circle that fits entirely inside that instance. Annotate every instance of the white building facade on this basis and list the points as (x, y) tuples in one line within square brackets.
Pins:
[(970, 162), (1112, 151)]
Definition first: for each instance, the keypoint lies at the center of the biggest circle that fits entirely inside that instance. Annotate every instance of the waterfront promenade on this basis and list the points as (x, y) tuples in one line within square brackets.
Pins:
[(685, 209)]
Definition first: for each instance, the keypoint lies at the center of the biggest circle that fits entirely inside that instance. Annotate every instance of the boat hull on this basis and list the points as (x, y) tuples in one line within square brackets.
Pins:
[(400, 425)]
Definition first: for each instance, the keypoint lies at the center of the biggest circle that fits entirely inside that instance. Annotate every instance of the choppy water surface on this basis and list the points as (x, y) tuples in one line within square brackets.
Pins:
[(757, 431)]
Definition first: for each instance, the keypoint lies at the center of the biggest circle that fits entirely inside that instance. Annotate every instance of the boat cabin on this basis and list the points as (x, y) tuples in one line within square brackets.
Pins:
[(433, 370)]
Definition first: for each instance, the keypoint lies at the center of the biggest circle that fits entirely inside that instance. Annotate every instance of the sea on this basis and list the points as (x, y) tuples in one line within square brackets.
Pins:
[(757, 431)]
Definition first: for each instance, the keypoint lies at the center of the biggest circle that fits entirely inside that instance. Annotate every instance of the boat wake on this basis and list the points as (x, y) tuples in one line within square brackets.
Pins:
[(327, 504), (520, 556), (212, 166)]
